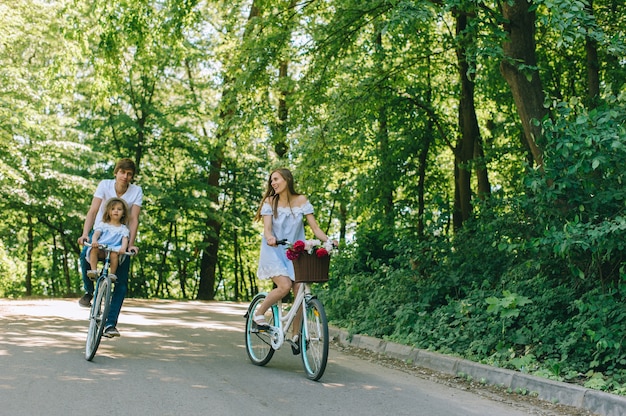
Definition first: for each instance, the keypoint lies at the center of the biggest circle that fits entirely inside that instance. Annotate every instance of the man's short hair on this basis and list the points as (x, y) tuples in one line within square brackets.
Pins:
[(125, 164)]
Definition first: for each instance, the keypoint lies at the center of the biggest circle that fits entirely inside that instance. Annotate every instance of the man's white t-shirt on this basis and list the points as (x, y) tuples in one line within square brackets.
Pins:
[(106, 190)]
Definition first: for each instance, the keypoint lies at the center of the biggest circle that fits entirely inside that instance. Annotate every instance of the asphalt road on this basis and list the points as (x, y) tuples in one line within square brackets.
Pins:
[(188, 358)]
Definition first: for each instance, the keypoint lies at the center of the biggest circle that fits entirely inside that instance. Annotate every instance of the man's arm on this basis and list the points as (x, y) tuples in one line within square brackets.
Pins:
[(133, 225), (90, 218)]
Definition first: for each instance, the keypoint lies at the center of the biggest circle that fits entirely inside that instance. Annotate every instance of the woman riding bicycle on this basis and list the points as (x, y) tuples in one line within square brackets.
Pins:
[(282, 210)]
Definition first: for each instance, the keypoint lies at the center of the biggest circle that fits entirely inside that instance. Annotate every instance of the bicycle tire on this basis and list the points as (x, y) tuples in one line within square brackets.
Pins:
[(314, 340), (101, 303), (258, 342)]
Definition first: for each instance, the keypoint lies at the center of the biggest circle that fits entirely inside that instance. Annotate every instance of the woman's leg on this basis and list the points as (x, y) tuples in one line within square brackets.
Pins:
[(283, 285), (297, 320)]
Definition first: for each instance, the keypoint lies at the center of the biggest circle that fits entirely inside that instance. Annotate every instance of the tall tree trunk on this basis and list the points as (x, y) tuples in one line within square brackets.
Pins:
[(482, 174), (593, 64), (343, 221), (66, 269), (468, 127), (30, 247), (423, 158), (519, 71), (280, 131), (161, 282), (237, 262), (386, 183), (386, 186), (181, 264), (213, 225)]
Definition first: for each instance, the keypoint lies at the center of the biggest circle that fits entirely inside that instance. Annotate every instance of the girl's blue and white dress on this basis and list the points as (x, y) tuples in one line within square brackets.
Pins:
[(288, 225), (111, 235)]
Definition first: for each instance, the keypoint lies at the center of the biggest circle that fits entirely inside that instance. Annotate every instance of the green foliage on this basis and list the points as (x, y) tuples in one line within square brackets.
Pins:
[(11, 272), (586, 152)]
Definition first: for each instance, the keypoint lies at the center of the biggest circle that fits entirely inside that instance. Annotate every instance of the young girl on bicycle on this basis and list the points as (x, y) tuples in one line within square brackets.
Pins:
[(112, 232), (282, 210)]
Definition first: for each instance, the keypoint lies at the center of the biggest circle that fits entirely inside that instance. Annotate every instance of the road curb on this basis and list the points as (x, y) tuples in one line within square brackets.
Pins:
[(603, 404)]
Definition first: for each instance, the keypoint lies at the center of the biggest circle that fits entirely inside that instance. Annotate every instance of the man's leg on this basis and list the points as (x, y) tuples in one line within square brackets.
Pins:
[(119, 292), (87, 283)]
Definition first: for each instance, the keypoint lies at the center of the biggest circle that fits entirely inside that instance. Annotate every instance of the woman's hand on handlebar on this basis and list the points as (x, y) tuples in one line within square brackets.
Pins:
[(271, 241)]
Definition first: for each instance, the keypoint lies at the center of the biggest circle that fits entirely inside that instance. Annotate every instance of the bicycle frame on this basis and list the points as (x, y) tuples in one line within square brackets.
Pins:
[(284, 321)]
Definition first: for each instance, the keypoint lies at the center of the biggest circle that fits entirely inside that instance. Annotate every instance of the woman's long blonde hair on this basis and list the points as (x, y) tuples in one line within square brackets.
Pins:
[(272, 196)]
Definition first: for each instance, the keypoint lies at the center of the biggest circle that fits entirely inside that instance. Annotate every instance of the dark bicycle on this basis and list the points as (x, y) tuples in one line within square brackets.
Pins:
[(100, 306)]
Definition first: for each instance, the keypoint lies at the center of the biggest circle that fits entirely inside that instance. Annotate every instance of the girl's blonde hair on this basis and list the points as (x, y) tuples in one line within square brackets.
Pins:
[(106, 217), (272, 196)]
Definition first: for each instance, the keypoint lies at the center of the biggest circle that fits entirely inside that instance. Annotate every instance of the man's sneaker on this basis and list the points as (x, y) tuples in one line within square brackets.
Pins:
[(110, 332), (92, 274), (85, 301), (113, 277)]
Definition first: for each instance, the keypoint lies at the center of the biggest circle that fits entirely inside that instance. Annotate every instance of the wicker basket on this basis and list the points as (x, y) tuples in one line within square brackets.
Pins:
[(310, 268)]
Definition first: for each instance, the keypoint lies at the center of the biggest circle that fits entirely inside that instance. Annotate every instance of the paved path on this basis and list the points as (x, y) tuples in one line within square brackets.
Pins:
[(188, 358)]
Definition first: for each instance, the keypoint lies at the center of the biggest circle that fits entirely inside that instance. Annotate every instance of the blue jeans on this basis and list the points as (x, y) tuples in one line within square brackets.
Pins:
[(120, 287)]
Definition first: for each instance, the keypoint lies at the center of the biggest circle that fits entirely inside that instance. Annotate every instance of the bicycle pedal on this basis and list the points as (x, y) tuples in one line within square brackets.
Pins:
[(260, 327)]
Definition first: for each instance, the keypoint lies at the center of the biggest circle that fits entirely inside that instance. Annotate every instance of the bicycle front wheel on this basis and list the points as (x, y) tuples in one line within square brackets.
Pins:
[(314, 340), (98, 313), (259, 341)]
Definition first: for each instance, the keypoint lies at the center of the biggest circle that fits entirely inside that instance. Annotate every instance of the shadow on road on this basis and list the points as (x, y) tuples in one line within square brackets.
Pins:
[(164, 330)]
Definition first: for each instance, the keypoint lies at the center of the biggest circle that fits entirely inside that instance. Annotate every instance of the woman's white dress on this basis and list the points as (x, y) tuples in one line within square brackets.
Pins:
[(289, 224)]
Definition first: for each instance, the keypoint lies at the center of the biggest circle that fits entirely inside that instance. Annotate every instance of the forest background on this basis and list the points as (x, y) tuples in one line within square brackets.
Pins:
[(469, 155)]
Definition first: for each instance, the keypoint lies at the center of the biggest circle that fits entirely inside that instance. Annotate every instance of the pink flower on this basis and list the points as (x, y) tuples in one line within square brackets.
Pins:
[(292, 255), (298, 246)]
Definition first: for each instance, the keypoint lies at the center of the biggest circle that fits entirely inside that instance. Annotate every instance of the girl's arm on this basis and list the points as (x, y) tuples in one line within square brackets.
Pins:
[(124, 245), (94, 238), (268, 233)]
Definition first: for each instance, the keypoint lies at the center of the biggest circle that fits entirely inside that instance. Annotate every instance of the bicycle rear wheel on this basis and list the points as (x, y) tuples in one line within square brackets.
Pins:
[(314, 340), (97, 316), (258, 341)]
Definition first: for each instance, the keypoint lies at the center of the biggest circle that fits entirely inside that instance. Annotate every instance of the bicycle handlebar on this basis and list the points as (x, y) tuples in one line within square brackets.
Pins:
[(284, 241), (105, 247)]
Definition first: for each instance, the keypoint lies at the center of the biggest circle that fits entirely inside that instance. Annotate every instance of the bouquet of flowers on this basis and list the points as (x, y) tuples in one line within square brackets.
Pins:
[(310, 246)]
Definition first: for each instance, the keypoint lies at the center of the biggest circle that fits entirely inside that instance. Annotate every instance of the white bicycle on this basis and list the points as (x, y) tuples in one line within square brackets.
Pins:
[(263, 340)]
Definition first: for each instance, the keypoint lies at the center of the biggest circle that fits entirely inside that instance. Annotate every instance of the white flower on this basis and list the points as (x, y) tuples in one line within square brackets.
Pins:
[(310, 245), (329, 246)]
